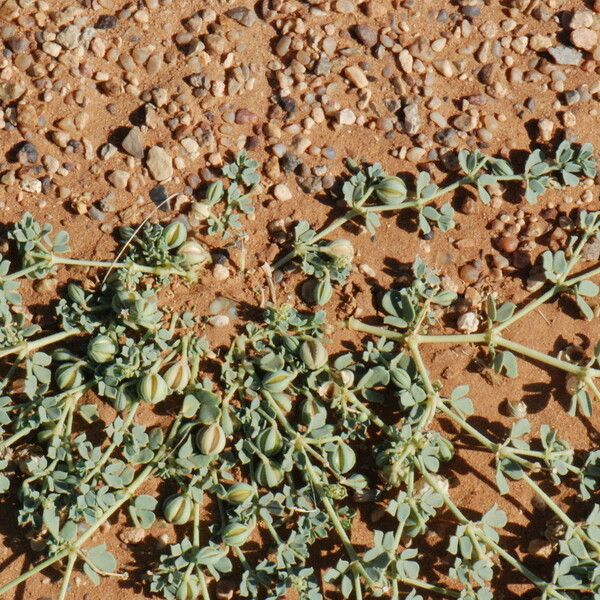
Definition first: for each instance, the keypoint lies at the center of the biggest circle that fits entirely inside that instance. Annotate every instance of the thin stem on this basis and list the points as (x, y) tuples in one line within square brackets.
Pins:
[(67, 576), (33, 345), (537, 581), (111, 448)]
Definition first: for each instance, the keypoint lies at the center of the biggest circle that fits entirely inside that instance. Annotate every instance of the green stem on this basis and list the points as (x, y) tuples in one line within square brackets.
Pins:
[(67, 576), (111, 448), (560, 513), (15, 437), (537, 581), (31, 346)]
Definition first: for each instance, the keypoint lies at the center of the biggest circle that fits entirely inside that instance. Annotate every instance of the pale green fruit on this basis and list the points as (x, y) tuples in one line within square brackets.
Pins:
[(178, 509), (152, 388), (101, 349), (313, 354), (211, 440), (174, 234), (391, 190)]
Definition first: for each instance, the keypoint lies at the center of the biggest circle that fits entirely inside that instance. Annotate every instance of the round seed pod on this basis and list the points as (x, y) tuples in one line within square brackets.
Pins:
[(152, 388), (123, 299), (236, 534), (322, 292), (193, 253), (101, 349), (123, 399), (174, 234), (340, 249), (400, 378), (310, 409), (342, 458), (313, 354), (76, 293), (178, 509), (46, 432), (188, 590), (211, 440), (214, 192), (268, 474), (391, 190), (238, 493), (269, 441), (277, 382), (68, 376), (177, 376)]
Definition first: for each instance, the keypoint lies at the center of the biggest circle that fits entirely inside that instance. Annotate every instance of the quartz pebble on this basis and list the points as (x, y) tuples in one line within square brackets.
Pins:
[(159, 163)]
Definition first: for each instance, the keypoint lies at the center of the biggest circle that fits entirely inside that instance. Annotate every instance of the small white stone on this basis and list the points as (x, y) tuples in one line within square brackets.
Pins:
[(219, 320), (220, 272), (356, 76), (346, 117), (469, 322), (282, 192), (546, 127)]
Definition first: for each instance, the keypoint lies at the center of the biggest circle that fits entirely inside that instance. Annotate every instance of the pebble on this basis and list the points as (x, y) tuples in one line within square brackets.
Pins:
[(119, 179), (447, 137), (244, 16), (546, 129), (27, 153), (10, 91), (219, 320), (469, 273), (468, 322), (584, 38), (346, 117), (581, 19), (564, 55), (159, 163), (220, 272), (365, 34), (244, 116), (356, 76), (412, 120), (133, 143), (282, 192), (95, 214), (508, 244)]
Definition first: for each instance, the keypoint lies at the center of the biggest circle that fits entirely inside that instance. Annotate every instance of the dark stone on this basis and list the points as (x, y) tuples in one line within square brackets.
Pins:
[(26, 153), (290, 162), (365, 34), (158, 195), (106, 22), (288, 104)]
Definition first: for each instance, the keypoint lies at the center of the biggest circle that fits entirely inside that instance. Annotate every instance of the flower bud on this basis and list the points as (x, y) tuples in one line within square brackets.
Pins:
[(178, 509), (68, 376), (277, 382), (237, 534), (193, 253), (174, 234), (101, 349), (177, 376), (313, 354), (238, 493), (268, 474), (269, 441), (391, 190), (340, 249), (211, 440), (152, 388), (123, 300), (342, 458)]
